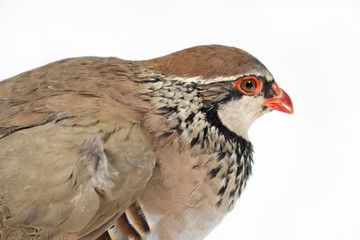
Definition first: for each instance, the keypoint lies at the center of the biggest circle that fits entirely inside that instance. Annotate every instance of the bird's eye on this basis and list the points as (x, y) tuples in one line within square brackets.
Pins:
[(248, 85)]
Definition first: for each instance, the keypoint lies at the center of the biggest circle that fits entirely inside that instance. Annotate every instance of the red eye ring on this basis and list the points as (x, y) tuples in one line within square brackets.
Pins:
[(249, 85)]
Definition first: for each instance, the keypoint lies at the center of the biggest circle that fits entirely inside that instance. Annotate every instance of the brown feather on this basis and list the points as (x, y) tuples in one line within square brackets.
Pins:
[(52, 116), (208, 61)]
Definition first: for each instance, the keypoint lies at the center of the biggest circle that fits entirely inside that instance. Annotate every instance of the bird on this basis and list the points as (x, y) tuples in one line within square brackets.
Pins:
[(106, 148)]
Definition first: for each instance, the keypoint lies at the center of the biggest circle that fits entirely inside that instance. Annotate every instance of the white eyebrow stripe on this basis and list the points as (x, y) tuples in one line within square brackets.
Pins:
[(268, 76), (201, 80)]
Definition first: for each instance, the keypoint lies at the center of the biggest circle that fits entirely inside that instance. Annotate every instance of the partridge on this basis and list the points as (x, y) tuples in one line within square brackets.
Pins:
[(106, 148)]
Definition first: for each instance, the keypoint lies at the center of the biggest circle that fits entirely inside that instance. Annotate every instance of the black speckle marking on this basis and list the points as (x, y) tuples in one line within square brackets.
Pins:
[(231, 164), (240, 186), (205, 130), (189, 90), (220, 156), (179, 131), (231, 204), (232, 193), (194, 141), (177, 83), (247, 171), (239, 169), (214, 172), (190, 118), (218, 204), (238, 156), (167, 109), (223, 188)]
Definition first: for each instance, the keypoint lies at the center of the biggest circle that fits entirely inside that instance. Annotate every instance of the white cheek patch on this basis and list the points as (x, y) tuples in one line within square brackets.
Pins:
[(238, 115)]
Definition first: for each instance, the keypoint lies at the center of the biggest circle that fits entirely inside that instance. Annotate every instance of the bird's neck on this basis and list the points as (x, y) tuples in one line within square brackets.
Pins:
[(184, 118), (202, 167)]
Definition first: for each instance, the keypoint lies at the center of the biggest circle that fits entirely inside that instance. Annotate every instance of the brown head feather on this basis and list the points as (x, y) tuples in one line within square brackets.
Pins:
[(208, 61)]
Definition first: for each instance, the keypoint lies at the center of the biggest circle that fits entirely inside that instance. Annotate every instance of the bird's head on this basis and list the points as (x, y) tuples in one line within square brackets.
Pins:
[(235, 88)]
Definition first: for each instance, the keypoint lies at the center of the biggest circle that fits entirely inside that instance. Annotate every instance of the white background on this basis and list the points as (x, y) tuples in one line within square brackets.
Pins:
[(306, 178)]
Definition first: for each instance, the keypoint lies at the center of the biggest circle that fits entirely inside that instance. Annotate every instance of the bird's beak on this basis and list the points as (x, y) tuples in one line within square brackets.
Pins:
[(281, 101)]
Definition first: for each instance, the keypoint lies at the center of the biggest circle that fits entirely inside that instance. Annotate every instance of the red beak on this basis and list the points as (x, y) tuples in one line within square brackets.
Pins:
[(281, 101)]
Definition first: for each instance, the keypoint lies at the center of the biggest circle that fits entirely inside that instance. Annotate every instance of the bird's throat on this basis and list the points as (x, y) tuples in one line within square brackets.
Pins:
[(239, 115)]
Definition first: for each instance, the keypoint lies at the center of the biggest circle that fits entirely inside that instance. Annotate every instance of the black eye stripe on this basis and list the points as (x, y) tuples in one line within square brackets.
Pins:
[(267, 89)]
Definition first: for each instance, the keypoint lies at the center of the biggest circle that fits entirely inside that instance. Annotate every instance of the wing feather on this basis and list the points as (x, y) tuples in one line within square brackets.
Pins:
[(72, 156)]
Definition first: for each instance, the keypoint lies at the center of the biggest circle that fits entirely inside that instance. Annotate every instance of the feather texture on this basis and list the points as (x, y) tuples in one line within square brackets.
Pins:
[(103, 148), (72, 154)]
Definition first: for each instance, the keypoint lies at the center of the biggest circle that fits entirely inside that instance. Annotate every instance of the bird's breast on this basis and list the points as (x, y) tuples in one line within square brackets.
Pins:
[(188, 194)]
